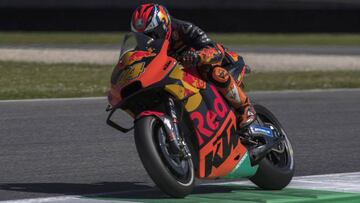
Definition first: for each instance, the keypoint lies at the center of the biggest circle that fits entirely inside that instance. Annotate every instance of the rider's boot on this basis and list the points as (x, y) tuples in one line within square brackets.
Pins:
[(235, 95)]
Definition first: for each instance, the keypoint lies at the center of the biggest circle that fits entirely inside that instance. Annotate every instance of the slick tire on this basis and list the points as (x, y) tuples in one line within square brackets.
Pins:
[(146, 145), (270, 176)]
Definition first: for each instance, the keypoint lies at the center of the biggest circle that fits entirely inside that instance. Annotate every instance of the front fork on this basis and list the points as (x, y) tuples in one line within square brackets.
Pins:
[(176, 141)]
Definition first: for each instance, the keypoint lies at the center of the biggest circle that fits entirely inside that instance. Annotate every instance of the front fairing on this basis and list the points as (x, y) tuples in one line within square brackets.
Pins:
[(134, 86), (139, 67)]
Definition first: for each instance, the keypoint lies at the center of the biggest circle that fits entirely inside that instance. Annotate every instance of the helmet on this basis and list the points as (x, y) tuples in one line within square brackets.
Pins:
[(152, 20)]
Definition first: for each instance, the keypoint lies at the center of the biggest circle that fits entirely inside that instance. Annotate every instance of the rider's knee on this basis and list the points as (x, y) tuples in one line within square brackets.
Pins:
[(220, 76)]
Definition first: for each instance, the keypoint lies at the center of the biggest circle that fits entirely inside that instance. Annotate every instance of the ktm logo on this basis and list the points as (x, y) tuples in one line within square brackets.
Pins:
[(222, 149)]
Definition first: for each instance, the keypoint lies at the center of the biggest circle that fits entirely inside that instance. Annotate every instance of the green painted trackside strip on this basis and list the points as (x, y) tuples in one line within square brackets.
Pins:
[(240, 194)]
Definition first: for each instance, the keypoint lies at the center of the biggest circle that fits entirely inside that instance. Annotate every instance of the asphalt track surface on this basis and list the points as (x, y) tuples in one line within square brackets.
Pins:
[(63, 147)]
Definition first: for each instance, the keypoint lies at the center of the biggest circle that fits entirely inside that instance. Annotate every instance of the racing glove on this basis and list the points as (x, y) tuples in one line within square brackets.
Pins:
[(190, 58)]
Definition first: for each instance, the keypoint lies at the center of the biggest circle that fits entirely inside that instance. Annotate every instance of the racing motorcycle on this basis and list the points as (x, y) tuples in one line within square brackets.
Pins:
[(183, 127)]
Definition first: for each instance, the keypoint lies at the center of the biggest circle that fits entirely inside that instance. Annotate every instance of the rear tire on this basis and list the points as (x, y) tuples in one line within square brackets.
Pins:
[(152, 157), (272, 175)]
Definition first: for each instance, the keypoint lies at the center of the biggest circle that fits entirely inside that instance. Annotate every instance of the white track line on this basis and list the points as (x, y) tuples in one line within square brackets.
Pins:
[(53, 99), (338, 182), (341, 182), (46, 199), (76, 198), (305, 91), (251, 92)]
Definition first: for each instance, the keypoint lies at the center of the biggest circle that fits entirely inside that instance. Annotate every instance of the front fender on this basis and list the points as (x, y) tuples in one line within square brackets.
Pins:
[(150, 113), (168, 124), (165, 119)]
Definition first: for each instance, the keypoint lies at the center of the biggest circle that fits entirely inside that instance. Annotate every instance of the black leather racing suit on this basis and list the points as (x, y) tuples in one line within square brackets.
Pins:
[(213, 61)]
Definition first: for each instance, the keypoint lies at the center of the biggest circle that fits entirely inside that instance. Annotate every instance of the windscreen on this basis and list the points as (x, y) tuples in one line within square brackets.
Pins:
[(139, 41)]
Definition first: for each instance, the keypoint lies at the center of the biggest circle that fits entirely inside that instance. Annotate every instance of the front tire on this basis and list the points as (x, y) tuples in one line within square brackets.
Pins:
[(276, 169), (148, 145)]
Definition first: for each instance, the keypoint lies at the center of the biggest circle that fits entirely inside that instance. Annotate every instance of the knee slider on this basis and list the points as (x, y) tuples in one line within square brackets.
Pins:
[(220, 76)]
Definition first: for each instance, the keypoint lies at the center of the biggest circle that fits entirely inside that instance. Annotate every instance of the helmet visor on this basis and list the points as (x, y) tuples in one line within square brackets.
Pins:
[(157, 33)]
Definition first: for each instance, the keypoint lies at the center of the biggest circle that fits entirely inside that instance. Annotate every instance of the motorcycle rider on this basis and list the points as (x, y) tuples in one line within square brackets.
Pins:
[(193, 48)]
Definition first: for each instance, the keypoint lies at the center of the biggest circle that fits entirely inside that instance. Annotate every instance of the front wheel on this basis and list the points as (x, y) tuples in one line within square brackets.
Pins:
[(277, 168), (173, 175)]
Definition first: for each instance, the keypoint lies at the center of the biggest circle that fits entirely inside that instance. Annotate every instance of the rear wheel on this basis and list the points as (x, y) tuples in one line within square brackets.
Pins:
[(277, 168), (171, 173)]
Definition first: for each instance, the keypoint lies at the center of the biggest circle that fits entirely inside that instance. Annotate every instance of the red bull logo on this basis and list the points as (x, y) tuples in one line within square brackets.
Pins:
[(132, 57), (193, 80)]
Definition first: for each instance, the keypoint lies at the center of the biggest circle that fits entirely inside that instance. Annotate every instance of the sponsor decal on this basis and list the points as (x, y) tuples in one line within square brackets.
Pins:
[(137, 56), (221, 149), (130, 73), (205, 127), (262, 130)]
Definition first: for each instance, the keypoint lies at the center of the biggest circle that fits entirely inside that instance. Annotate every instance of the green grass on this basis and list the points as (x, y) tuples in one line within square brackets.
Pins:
[(303, 80), (226, 38), (35, 80), (60, 38)]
